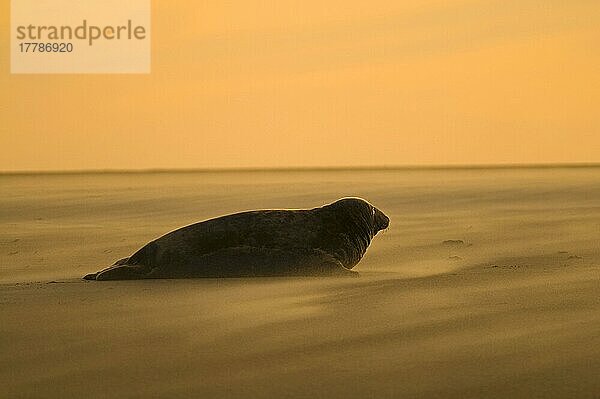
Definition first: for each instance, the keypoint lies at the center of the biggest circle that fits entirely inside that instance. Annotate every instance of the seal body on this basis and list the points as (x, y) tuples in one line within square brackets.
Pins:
[(328, 240)]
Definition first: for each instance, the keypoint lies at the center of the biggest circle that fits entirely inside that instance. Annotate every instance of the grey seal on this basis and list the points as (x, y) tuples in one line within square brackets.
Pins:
[(328, 240)]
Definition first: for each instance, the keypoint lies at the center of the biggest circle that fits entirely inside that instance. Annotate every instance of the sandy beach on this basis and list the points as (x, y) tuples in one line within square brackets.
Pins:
[(486, 284)]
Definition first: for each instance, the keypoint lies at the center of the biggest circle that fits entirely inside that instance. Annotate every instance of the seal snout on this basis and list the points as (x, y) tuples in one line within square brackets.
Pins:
[(382, 222)]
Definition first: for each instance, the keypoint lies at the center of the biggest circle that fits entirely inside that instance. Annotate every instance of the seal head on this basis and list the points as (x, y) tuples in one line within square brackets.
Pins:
[(351, 223)]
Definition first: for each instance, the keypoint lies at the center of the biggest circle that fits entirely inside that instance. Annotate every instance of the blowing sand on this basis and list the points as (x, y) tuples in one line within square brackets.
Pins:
[(486, 284)]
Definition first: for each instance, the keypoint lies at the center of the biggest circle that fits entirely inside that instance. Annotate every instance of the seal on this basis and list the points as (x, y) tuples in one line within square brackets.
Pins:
[(328, 240)]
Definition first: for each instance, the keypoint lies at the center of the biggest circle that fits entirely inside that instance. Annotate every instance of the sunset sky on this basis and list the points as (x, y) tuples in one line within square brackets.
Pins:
[(323, 83)]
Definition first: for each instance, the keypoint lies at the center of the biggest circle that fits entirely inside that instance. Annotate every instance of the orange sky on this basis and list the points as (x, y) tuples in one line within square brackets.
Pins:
[(323, 83)]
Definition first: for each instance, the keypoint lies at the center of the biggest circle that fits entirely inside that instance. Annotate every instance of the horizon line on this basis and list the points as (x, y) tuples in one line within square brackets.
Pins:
[(305, 168)]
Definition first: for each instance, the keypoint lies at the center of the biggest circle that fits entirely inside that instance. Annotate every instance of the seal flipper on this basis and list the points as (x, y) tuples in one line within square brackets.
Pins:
[(121, 262), (328, 265)]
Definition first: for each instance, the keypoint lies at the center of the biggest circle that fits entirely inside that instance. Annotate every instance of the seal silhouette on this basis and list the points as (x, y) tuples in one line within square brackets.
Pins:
[(328, 240)]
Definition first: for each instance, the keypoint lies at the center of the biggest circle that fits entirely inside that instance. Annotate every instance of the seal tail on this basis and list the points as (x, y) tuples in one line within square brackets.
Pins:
[(91, 276), (94, 276), (123, 272)]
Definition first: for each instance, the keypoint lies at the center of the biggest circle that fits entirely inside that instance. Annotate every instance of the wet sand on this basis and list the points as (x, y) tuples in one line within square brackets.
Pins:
[(486, 284)]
